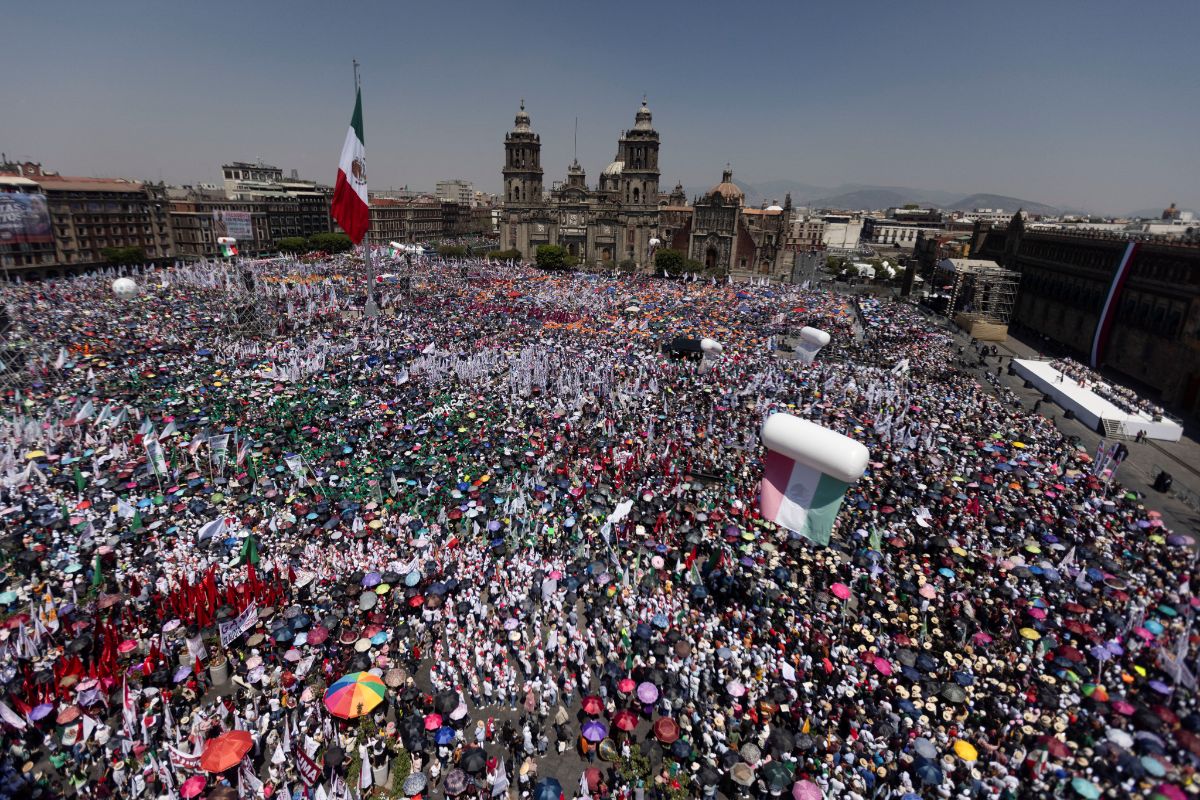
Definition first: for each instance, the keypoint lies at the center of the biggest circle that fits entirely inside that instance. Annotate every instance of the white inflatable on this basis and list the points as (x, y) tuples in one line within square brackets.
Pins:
[(711, 347), (811, 342), (125, 288), (806, 473)]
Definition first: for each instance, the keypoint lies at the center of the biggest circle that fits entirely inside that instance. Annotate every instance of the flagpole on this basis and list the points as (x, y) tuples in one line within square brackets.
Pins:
[(370, 309)]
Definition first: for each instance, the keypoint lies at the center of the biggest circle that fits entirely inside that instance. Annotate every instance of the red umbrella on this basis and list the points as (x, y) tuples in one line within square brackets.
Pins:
[(1070, 653), (625, 720), (626, 685), (593, 778), (666, 730), (416, 601), (433, 722), (1166, 715), (592, 705), (225, 751), (318, 634), (1056, 747)]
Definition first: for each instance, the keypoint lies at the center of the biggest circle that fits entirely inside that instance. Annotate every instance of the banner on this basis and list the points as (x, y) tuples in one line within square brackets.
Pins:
[(181, 760), (24, 218), (306, 768), (239, 624), (236, 224)]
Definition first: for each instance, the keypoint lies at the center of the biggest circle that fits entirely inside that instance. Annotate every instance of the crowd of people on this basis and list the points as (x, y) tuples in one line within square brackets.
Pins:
[(1122, 397), (499, 541)]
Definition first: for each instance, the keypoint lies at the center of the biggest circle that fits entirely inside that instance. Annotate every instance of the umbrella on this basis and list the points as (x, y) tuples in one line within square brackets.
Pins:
[(433, 722), (965, 750), (776, 774), (594, 730), (1085, 788), (741, 774), (924, 748), (354, 695), (193, 786), (456, 782), (473, 760), (414, 784), (592, 705), (548, 789), (624, 720), (806, 790), (592, 776), (444, 736), (666, 730), (735, 688), (647, 692), (225, 751), (750, 753)]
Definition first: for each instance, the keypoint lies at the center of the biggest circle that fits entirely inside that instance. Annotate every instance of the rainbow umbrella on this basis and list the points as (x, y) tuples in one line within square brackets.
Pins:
[(354, 695)]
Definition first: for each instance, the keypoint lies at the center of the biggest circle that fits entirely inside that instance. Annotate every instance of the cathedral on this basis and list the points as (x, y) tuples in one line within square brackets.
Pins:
[(625, 217)]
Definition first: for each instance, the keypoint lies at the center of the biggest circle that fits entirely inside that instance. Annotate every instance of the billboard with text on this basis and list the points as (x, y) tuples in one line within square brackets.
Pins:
[(24, 218), (236, 224)]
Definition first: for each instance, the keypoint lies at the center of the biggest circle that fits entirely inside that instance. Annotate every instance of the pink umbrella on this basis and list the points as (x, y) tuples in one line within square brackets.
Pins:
[(1170, 791), (1036, 613), (883, 665), (1122, 707), (841, 591), (193, 786), (927, 591), (433, 722), (982, 638), (626, 685), (806, 790), (1145, 634)]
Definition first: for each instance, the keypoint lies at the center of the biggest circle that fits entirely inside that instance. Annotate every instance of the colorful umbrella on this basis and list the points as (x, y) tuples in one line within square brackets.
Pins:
[(624, 720), (354, 695)]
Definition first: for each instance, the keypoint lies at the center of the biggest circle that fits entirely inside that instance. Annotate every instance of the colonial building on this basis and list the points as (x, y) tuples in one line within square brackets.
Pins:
[(622, 218), (1066, 278), (66, 223), (406, 221), (609, 223)]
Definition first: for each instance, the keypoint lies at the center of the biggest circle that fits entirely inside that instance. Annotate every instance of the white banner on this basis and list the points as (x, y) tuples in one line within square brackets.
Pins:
[(239, 624)]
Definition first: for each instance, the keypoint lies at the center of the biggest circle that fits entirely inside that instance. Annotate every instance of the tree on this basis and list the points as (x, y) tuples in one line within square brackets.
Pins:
[(835, 263), (292, 244), (330, 242), (552, 256), (669, 261), (123, 255), (505, 255), (452, 250), (627, 265)]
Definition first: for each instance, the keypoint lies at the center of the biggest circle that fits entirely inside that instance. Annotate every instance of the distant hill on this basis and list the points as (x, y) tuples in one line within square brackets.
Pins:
[(869, 197), (974, 201)]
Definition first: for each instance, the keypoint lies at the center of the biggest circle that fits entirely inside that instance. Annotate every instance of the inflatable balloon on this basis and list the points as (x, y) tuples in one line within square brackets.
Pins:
[(811, 342), (711, 346), (125, 288), (808, 469)]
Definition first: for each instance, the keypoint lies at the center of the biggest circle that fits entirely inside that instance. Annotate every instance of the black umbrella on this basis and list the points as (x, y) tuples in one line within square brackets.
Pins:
[(473, 760), (445, 702), (780, 740)]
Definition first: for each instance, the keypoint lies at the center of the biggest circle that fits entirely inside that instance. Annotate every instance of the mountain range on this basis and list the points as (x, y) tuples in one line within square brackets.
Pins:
[(851, 196)]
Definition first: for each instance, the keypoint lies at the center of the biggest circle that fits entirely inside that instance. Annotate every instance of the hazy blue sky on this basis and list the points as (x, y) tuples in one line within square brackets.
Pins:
[(1089, 104)]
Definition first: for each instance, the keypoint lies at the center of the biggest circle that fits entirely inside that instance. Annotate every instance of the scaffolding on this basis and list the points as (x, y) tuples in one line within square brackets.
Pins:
[(984, 292)]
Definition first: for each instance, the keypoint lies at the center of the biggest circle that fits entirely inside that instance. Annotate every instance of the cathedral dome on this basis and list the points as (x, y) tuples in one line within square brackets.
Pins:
[(521, 123), (775, 207), (727, 188), (644, 120), (614, 168)]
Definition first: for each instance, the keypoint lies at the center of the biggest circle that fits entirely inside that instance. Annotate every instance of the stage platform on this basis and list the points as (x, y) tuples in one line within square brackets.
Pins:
[(1089, 407)]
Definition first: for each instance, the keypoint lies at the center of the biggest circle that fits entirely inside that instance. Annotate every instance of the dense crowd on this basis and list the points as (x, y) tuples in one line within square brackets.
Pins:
[(1122, 397), (502, 539)]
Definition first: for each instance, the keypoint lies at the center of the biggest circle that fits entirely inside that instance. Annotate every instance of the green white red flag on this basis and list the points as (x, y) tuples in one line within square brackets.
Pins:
[(350, 208)]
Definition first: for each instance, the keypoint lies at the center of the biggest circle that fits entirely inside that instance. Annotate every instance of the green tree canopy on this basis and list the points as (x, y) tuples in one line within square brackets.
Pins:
[(669, 261), (330, 242), (552, 256), (292, 244), (123, 255)]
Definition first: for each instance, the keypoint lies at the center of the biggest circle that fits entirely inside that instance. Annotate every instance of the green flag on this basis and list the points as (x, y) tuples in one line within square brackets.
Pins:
[(80, 483), (249, 552), (136, 525), (96, 570)]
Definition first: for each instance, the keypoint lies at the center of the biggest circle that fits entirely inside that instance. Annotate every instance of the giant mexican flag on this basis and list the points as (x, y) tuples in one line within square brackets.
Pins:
[(808, 469), (350, 208)]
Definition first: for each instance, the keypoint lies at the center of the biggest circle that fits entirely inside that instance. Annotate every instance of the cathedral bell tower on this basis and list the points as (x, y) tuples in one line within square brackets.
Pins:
[(522, 163), (638, 151)]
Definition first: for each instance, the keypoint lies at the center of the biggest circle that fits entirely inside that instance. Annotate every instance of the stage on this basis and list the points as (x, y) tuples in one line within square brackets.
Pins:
[(1089, 407)]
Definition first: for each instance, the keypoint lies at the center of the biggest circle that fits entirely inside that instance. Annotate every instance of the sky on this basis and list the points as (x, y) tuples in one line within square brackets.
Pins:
[(1092, 105)]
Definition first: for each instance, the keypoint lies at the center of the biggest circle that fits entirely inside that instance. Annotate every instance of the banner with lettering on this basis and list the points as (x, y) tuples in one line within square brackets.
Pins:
[(239, 624)]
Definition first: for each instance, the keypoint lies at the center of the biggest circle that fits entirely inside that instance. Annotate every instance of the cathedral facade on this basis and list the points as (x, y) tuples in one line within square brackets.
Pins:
[(624, 218)]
